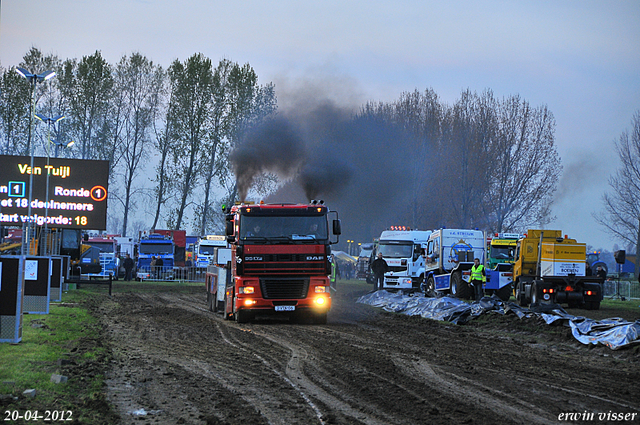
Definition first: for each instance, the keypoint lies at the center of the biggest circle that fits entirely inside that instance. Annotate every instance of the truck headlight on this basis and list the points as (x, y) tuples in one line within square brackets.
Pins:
[(246, 290), (320, 289)]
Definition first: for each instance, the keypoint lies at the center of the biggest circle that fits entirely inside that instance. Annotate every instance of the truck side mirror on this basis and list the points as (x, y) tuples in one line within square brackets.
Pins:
[(337, 229), (229, 228)]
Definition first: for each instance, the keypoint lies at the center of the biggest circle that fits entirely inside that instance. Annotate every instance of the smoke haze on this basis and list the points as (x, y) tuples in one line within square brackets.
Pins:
[(358, 166)]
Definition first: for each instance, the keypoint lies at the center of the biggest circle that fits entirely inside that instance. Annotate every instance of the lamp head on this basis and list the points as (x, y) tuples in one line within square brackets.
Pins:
[(26, 74), (46, 76)]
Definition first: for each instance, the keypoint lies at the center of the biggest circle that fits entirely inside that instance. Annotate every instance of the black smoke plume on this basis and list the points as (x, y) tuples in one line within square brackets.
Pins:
[(274, 146), (360, 166)]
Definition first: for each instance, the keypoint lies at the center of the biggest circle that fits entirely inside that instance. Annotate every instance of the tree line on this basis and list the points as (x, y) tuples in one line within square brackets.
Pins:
[(482, 161), (185, 120)]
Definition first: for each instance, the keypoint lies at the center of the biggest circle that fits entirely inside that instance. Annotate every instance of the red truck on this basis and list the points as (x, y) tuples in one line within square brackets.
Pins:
[(279, 262)]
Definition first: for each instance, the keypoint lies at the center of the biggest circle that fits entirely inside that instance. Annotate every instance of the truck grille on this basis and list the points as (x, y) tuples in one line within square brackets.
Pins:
[(285, 264), (284, 288), (397, 269)]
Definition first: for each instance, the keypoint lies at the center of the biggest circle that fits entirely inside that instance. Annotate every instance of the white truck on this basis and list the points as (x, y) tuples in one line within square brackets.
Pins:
[(205, 249), (402, 250), (448, 260)]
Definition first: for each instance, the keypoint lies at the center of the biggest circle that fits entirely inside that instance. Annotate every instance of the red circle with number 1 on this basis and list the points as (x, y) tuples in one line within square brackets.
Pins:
[(98, 193)]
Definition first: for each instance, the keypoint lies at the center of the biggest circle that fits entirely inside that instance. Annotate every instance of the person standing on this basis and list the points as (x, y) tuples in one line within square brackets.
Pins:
[(379, 267), (152, 266), (128, 268), (159, 267), (478, 278), (602, 273)]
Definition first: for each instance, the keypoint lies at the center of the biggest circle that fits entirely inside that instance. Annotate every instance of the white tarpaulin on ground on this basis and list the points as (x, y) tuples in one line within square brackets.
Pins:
[(614, 333)]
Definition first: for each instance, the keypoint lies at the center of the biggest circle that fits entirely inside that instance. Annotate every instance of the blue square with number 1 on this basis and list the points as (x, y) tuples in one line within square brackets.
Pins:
[(17, 189)]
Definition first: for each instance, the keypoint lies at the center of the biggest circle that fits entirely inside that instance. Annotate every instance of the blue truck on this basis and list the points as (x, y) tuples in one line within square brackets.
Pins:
[(160, 247)]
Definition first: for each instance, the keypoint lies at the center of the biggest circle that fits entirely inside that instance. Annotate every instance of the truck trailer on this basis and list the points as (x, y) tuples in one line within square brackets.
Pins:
[(280, 260), (550, 268), (448, 260)]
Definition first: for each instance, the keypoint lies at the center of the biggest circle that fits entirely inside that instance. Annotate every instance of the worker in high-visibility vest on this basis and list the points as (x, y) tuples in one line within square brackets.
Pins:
[(478, 278)]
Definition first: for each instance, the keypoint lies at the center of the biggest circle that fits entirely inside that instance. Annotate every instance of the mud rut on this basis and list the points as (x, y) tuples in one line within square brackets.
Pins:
[(176, 362)]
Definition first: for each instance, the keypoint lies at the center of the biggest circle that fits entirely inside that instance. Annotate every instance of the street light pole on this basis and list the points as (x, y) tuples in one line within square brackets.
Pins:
[(49, 121), (33, 79)]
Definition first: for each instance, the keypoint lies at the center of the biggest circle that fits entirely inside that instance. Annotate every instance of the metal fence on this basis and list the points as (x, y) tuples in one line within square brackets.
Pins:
[(628, 289), (182, 274)]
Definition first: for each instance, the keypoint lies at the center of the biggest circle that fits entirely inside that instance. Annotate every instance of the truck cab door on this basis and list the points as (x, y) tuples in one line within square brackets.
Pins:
[(431, 255)]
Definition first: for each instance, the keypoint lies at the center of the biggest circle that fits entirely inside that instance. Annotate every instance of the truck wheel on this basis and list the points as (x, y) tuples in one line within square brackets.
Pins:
[(417, 284), (227, 316), (520, 295), (213, 304), (504, 293), (243, 316), (460, 288), (534, 293), (430, 288)]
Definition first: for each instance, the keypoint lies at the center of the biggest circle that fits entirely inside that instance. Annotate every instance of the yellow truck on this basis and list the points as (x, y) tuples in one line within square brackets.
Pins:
[(550, 269)]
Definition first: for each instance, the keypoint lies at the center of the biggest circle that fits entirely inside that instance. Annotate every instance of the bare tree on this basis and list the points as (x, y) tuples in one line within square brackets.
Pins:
[(138, 82), (86, 88), (622, 205), (525, 166), (464, 160), (15, 108), (220, 110), (162, 131), (44, 95), (250, 104), (190, 124)]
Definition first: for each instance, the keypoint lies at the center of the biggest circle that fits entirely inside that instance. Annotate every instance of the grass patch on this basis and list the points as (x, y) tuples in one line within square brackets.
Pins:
[(67, 341)]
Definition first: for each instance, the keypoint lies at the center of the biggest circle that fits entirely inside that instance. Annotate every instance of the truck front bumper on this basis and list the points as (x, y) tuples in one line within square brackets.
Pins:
[(397, 282)]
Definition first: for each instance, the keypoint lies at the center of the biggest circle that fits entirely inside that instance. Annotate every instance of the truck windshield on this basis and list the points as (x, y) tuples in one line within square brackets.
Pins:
[(206, 249), (501, 252), (103, 246), (395, 249), (290, 228), (156, 248)]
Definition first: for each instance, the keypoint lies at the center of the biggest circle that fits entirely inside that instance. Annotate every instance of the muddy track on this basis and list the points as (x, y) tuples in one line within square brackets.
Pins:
[(176, 362)]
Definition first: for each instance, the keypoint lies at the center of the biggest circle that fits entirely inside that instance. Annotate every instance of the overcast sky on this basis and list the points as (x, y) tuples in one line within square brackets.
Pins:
[(580, 58)]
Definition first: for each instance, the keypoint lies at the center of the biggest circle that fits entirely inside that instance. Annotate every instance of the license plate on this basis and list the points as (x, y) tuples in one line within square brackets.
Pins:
[(285, 308)]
